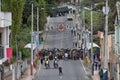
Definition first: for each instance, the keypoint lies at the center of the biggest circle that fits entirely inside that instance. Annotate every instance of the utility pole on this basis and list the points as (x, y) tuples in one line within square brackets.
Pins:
[(117, 30), (0, 5), (32, 41), (83, 14), (106, 38), (17, 56), (1, 66), (37, 26), (91, 13), (106, 11)]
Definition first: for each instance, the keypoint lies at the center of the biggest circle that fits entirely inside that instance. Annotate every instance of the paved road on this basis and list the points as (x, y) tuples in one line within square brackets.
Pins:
[(72, 70), (59, 39)]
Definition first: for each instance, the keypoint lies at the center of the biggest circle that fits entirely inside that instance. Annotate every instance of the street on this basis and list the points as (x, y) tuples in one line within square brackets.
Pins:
[(72, 70), (57, 39), (41, 38)]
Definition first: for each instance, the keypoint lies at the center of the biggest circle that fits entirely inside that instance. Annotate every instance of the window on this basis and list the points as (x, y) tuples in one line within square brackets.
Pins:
[(7, 31)]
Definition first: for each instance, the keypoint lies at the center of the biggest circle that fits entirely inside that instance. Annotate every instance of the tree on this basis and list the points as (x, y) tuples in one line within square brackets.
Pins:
[(16, 7), (26, 12), (112, 14), (100, 4), (97, 18), (42, 6)]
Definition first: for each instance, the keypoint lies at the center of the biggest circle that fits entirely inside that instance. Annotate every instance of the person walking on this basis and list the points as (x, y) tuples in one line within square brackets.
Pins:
[(60, 70), (99, 64), (96, 63), (66, 56), (101, 74)]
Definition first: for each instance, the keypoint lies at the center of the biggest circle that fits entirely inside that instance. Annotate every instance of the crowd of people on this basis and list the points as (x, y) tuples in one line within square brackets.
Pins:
[(54, 55), (60, 54)]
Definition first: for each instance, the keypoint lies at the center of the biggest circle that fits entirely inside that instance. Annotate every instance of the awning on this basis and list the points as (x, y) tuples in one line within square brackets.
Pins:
[(94, 45), (29, 46)]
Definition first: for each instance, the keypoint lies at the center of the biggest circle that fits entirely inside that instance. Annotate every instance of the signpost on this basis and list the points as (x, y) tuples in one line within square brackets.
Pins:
[(9, 54)]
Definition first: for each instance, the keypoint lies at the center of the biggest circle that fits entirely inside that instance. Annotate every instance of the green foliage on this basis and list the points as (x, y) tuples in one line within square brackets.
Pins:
[(100, 4), (6, 5), (49, 5), (34, 22), (42, 5), (26, 11), (89, 2), (13, 59), (97, 17), (86, 3), (42, 11), (27, 37), (96, 40), (112, 14), (25, 53), (16, 7)]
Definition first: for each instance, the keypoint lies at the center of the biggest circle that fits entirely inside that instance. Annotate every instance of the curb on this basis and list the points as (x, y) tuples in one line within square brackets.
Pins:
[(39, 64), (37, 71), (87, 71)]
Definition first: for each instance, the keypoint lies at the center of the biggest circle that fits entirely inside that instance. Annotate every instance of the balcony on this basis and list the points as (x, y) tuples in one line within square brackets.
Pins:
[(1, 52)]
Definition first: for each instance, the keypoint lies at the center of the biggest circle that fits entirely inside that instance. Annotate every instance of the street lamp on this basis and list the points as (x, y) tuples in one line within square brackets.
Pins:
[(91, 17), (37, 26), (92, 41), (31, 66)]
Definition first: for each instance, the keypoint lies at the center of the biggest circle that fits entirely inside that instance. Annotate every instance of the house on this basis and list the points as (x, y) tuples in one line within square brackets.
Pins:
[(111, 51), (5, 22)]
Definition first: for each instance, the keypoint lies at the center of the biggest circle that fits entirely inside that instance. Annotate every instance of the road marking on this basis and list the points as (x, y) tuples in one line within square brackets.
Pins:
[(83, 66)]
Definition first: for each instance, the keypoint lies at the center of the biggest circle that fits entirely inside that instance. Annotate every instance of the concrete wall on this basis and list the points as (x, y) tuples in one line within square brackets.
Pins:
[(5, 19), (111, 45)]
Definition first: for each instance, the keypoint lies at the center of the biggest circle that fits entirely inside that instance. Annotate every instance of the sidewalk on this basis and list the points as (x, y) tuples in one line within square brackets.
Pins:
[(96, 75), (7, 73), (27, 75), (93, 77)]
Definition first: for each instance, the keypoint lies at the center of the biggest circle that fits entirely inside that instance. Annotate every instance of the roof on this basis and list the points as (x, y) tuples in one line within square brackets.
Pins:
[(94, 45), (60, 9), (29, 46)]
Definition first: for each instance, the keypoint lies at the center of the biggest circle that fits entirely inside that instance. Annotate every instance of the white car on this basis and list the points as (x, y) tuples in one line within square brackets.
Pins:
[(70, 17)]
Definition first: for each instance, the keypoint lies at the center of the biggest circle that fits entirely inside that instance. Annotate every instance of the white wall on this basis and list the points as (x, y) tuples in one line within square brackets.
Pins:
[(5, 42), (5, 19)]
